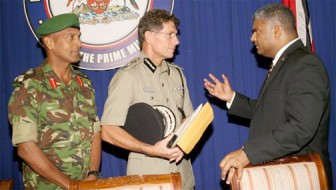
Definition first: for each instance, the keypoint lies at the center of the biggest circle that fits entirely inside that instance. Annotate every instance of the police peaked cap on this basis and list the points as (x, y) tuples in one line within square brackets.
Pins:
[(58, 23)]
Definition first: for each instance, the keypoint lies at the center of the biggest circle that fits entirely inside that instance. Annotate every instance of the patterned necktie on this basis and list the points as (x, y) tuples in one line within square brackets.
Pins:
[(270, 70)]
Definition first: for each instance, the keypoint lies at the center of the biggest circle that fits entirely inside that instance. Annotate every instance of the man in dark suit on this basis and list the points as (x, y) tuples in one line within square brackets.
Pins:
[(291, 114)]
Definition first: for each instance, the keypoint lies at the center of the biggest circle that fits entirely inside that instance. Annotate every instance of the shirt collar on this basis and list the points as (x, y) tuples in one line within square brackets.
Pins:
[(53, 79), (47, 69), (280, 52), (152, 67)]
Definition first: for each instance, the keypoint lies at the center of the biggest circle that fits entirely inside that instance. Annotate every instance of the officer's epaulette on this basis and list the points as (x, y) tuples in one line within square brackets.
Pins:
[(132, 63), (28, 74), (81, 74), (174, 65)]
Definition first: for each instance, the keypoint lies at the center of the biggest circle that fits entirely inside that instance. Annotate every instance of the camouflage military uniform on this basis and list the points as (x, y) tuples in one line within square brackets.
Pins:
[(60, 118)]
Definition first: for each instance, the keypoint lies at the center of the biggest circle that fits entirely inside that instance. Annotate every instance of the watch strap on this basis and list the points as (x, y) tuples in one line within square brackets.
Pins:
[(95, 173)]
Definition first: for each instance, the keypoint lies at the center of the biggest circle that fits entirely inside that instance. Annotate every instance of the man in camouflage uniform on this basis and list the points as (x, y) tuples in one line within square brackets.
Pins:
[(152, 80), (53, 113)]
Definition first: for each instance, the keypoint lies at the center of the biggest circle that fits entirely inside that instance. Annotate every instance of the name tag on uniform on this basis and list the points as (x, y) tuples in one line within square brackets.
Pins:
[(148, 89)]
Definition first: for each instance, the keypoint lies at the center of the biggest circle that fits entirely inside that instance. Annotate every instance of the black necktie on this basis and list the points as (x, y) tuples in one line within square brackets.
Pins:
[(270, 70)]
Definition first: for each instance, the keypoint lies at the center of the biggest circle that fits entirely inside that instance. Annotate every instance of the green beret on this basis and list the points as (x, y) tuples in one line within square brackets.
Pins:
[(58, 23)]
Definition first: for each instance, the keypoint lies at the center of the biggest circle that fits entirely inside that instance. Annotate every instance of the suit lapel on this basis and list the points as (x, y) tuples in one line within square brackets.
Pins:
[(279, 64)]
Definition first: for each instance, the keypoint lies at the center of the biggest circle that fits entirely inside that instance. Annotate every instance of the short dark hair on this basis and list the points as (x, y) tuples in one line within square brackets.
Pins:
[(276, 12), (153, 20)]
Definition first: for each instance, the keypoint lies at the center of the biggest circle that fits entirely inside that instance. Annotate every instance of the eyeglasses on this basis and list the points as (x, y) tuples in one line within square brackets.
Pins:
[(170, 35)]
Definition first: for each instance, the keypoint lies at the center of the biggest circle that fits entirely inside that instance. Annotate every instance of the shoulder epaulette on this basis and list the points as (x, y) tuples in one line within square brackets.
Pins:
[(28, 74), (174, 65), (132, 63), (81, 74)]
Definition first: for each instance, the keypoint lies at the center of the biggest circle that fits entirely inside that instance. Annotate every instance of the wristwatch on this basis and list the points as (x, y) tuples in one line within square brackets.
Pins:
[(95, 173)]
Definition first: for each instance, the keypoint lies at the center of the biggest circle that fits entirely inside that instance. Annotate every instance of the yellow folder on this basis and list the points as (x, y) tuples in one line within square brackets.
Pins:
[(193, 127)]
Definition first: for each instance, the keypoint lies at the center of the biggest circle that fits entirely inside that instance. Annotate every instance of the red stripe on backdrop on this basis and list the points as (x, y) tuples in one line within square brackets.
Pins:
[(300, 10), (290, 4)]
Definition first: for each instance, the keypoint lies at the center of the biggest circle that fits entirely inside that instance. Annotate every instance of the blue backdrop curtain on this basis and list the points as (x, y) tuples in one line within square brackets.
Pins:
[(215, 37)]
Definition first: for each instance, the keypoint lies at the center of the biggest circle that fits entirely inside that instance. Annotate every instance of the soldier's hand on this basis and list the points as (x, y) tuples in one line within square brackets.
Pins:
[(90, 177)]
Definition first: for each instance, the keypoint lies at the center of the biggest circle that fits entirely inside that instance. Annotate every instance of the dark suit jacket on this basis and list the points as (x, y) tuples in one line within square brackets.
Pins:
[(291, 114)]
